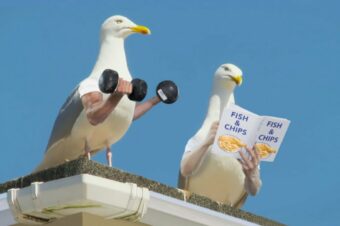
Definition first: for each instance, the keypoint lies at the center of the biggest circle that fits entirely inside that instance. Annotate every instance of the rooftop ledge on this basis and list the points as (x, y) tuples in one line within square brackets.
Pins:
[(170, 199)]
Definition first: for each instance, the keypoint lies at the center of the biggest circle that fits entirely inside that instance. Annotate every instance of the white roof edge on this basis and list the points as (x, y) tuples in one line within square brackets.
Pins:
[(192, 212), (5, 212), (3, 202), (70, 195), (157, 202)]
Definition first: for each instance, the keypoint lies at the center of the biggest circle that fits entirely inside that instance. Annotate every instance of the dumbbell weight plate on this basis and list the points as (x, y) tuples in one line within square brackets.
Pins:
[(167, 91), (139, 89), (108, 81)]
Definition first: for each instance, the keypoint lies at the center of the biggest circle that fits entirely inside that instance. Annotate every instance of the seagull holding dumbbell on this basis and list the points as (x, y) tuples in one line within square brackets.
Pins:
[(101, 108)]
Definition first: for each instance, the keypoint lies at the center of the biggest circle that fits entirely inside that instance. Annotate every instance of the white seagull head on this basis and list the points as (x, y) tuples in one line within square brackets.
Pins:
[(228, 74), (121, 27)]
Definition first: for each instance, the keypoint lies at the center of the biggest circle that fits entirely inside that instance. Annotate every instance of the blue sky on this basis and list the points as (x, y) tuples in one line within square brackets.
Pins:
[(288, 50)]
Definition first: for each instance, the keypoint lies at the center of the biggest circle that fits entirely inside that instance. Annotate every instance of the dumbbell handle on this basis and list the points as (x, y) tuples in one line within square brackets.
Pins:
[(109, 80)]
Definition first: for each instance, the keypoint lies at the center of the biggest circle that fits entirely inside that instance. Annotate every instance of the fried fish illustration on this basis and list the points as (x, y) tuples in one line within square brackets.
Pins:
[(230, 143), (264, 150)]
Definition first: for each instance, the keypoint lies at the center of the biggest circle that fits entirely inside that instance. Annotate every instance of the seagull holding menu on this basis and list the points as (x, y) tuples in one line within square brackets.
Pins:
[(220, 178), (92, 119)]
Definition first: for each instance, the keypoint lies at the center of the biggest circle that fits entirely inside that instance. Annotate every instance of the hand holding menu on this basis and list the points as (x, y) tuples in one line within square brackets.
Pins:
[(239, 128)]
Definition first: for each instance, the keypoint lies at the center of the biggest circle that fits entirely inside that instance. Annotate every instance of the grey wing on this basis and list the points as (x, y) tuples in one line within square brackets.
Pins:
[(66, 118)]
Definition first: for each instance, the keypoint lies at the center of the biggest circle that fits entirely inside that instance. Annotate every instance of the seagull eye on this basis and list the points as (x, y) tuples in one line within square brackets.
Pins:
[(119, 21), (226, 68)]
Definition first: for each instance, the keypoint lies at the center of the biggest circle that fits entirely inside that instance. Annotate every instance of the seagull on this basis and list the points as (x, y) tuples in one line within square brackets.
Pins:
[(72, 133), (219, 178)]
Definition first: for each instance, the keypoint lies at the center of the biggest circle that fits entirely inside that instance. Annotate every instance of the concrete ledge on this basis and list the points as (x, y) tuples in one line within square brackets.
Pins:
[(84, 166)]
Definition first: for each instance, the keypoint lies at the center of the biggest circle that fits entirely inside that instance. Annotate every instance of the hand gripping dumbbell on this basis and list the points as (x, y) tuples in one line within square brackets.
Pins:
[(167, 91), (108, 83)]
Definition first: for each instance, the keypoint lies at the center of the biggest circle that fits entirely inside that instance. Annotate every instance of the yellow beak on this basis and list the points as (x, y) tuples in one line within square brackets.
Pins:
[(141, 29), (237, 79)]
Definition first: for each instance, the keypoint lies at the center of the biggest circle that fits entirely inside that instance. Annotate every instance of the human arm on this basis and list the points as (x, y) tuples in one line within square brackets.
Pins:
[(192, 159), (166, 91), (96, 109), (142, 108), (252, 181)]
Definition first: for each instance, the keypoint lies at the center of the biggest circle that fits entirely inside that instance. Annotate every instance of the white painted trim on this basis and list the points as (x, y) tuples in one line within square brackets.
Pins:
[(191, 212), (149, 206), (6, 217)]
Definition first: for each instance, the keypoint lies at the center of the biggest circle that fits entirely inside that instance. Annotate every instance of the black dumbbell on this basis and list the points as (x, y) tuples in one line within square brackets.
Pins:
[(108, 82), (167, 91)]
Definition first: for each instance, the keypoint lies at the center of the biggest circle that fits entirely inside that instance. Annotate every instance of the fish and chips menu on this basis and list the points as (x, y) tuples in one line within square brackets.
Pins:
[(239, 128)]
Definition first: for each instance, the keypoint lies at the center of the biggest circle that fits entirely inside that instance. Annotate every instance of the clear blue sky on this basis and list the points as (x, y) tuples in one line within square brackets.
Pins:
[(288, 50)]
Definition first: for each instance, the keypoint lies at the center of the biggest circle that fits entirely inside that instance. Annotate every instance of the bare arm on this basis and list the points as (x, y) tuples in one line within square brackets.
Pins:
[(252, 181), (98, 110), (142, 108), (192, 160)]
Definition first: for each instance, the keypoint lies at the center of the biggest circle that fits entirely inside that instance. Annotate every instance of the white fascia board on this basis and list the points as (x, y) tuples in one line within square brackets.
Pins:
[(80, 193), (188, 212), (158, 209), (6, 217)]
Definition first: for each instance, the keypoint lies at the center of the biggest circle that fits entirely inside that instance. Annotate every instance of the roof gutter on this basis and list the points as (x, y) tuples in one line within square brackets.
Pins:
[(188, 212), (44, 202)]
